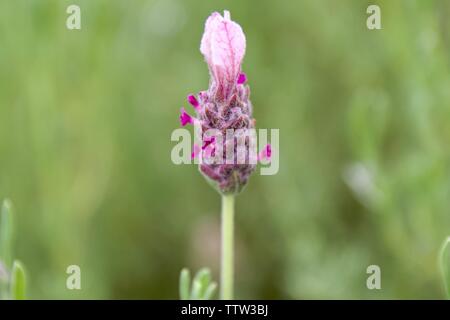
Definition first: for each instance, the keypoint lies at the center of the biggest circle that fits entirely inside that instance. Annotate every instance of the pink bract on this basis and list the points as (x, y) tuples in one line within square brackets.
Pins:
[(223, 46)]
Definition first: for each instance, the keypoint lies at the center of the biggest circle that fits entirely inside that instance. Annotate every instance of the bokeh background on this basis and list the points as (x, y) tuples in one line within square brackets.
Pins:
[(85, 124)]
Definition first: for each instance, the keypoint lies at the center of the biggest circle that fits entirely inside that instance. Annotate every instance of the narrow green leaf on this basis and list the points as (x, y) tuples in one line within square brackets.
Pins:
[(196, 290), (444, 262), (202, 279), (4, 278), (6, 233), (185, 282), (18, 281), (210, 291)]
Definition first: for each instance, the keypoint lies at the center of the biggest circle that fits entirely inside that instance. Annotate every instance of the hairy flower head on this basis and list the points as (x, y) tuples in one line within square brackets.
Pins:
[(224, 106)]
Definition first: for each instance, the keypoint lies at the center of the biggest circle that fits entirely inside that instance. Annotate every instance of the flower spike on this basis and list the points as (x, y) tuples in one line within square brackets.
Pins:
[(224, 106)]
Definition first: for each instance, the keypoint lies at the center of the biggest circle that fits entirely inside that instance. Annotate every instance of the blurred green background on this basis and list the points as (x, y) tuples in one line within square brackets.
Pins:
[(85, 124)]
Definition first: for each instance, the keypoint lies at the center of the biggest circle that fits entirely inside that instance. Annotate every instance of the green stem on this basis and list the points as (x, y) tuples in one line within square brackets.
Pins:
[(226, 276), (444, 258)]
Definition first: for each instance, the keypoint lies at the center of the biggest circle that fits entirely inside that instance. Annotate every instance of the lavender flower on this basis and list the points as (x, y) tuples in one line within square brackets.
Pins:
[(225, 105)]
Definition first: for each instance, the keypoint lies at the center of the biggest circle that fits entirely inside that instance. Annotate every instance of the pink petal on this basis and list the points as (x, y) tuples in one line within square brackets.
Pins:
[(205, 45), (242, 78), (265, 153), (193, 101), (196, 151), (269, 151), (208, 141), (185, 118), (223, 46)]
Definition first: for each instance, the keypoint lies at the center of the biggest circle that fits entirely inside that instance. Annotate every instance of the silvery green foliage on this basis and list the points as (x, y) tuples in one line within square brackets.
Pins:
[(201, 288), (444, 263), (12, 272)]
